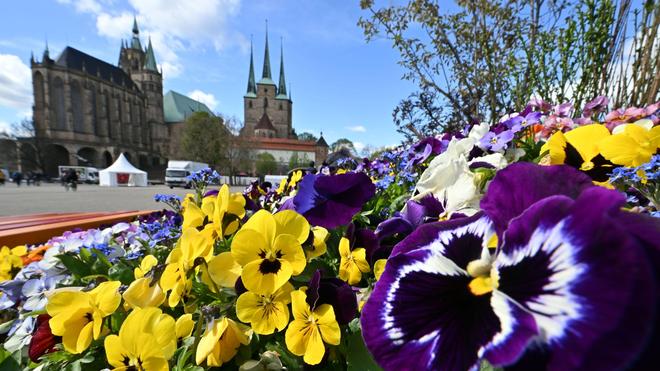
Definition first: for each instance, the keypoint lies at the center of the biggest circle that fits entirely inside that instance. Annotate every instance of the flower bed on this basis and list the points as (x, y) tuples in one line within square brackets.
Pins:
[(534, 243)]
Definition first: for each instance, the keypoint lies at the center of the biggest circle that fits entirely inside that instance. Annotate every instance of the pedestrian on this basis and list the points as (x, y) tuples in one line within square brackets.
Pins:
[(2, 177), (18, 178)]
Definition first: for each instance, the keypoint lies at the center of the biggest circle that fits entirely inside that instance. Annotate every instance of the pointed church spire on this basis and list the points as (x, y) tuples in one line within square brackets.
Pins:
[(281, 90), (251, 88), (135, 42), (150, 61), (266, 77), (46, 55)]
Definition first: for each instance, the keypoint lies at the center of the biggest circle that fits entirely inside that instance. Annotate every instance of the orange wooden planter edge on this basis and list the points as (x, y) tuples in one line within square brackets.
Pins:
[(42, 233)]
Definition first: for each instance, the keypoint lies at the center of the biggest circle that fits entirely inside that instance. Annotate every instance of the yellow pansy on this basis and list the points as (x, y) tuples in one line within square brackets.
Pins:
[(632, 146), (318, 247), (221, 271), (311, 328), (221, 341), (268, 248), (295, 178), (229, 210), (265, 313), (144, 292), (146, 341), (379, 268), (184, 326), (353, 262), (579, 148), (282, 187), (11, 260), (192, 245), (147, 263), (77, 316)]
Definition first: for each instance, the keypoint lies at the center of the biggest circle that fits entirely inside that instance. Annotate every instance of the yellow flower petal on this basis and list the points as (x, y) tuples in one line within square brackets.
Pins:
[(379, 268), (224, 270), (247, 245), (290, 222), (260, 283), (263, 222), (291, 251), (184, 326), (585, 139), (141, 293)]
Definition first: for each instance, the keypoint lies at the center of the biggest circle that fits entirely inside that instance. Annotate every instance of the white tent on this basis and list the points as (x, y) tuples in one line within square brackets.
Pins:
[(122, 173)]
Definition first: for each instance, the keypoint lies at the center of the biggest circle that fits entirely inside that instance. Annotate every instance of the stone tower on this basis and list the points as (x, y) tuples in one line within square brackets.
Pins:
[(141, 66), (267, 108)]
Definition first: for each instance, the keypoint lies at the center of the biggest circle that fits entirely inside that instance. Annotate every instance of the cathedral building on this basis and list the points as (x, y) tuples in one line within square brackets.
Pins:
[(89, 111), (268, 118)]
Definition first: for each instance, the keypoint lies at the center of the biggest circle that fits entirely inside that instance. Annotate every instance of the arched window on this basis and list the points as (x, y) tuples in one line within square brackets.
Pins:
[(57, 104), (265, 102), (77, 107), (280, 106), (250, 104)]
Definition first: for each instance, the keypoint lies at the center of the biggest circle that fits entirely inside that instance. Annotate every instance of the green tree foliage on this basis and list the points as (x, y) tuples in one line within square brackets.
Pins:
[(343, 143), (205, 139), (484, 58), (266, 164), (307, 136)]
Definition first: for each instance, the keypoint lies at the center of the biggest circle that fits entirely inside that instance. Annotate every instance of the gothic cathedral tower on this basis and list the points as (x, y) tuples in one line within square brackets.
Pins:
[(141, 66), (267, 107)]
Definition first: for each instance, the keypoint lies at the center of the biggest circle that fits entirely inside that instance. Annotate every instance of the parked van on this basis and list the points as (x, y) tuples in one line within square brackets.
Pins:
[(86, 174)]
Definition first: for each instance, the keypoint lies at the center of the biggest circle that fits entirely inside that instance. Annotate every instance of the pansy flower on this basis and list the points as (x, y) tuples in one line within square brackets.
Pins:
[(579, 148), (332, 200), (311, 328), (569, 287), (77, 316), (269, 249), (631, 145), (333, 291), (146, 341), (354, 250), (598, 104), (192, 245), (221, 341), (43, 341), (266, 313)]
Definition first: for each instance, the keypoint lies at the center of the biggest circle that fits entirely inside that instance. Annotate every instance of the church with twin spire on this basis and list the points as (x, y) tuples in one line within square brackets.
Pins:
[(268, 118)]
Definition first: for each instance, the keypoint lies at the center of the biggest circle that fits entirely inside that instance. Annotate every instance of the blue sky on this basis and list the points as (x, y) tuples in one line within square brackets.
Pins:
[(340, 84)]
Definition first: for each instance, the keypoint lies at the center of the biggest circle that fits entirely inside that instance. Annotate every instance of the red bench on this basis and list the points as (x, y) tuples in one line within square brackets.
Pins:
[(39, 228)]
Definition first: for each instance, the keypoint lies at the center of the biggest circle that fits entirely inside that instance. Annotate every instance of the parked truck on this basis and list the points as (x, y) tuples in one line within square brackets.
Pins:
[(177, 172)]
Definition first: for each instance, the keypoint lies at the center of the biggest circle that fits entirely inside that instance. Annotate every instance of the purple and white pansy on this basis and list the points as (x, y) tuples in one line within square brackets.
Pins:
[(566, 275)]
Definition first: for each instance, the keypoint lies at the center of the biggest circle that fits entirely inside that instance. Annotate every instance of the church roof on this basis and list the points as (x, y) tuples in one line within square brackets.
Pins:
[(321, 142), (264, 123), (72, 58), (177, 107), (150, 61), (266, 78)]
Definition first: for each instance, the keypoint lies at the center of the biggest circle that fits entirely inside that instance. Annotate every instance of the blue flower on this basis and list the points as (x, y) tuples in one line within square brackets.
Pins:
[(36, 289)]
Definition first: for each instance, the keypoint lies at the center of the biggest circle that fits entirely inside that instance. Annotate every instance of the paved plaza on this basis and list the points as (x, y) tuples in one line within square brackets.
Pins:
[(53, 198)]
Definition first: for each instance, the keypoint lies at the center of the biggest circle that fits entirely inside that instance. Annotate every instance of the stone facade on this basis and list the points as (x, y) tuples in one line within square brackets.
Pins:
[(90, 111)]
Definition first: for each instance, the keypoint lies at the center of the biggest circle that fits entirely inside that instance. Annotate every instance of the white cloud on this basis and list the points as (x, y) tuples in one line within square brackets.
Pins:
[(359, 146), (357, 129), (173, 28), (15, 83), (206, 98), (83, 6)]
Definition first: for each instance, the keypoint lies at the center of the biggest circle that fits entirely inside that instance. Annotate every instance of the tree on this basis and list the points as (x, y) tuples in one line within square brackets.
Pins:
[(205, 139), (488, 57), (32, 144), (236, 156), (343, 143), (265, 164), (307, 136)]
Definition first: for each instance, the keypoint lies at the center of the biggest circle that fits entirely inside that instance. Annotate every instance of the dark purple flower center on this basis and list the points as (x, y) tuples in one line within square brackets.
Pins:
[(269, 266)]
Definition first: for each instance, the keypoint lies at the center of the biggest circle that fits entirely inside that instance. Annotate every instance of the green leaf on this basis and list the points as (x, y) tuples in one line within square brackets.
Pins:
[(76, 266), (121, 272), (358, 357)]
